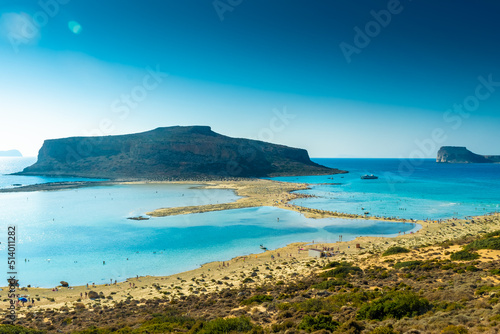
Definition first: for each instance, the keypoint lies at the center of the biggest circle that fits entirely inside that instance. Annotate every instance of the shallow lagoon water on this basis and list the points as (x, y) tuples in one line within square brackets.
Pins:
[(66, 235), (78, 229), (88, 224)]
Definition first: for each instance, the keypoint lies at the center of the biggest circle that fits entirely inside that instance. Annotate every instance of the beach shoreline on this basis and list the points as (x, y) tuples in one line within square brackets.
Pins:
[(54, 186), (290, 261), (254, 193)]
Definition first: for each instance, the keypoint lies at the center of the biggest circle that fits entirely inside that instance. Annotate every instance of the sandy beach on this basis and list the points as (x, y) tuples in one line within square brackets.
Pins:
[(259, 192), (288, 263)]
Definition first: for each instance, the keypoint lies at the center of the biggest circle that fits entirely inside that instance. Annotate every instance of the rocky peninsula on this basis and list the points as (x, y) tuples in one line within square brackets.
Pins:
[(456, 154), (192, 152)]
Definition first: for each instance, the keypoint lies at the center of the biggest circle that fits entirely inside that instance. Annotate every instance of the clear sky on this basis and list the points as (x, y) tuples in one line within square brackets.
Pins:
[(339, 78)]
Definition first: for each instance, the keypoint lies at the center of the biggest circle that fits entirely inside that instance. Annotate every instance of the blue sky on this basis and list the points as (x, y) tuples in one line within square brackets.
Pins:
[(339, 78)]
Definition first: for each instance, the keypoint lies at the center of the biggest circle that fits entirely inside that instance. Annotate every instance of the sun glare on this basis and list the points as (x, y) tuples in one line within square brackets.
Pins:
[(75, 27)]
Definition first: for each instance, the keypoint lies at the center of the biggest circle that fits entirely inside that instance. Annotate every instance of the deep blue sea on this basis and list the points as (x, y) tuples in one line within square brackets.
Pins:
[(67, 234)]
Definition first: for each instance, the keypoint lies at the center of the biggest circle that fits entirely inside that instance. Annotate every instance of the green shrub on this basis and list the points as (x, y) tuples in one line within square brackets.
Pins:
[(464, 255), (396, 304), (395, 250), (448, 266), (224, 326), (410, 265), (486, 289), (284, 306), (430, 265), (452, 329), (259, 299), (383, 330), (342, 271), (488, 243), (492, 234), (332, 265), (94, 330), (495, 318), (472, 268), (283, 326), (327, 284), (495, 271), (448, 306), (11, 329), (355, 299), (312, 324), (351, 326), (315, 305)]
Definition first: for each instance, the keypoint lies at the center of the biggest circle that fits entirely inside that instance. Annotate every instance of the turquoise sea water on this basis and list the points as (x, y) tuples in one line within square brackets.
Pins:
[(67, 234), (418, 189), (72, 248)]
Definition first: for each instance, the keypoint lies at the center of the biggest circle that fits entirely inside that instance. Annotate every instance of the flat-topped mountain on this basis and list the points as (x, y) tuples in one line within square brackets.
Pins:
[(456, 154), (171, 152), (10, 153)]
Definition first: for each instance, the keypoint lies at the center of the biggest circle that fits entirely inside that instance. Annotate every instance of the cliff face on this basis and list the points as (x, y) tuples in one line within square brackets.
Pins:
[(455, 154), (173, 152)]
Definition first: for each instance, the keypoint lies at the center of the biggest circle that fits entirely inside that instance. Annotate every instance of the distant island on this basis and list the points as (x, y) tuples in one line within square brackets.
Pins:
[(178, 152), (10, 153), (456, 154)]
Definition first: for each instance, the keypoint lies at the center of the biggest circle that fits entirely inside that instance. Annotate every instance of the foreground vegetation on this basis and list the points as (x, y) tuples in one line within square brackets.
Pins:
[(404, 291)]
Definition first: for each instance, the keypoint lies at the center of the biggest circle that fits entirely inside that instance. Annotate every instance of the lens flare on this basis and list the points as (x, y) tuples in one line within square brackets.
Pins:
[(75, 27)]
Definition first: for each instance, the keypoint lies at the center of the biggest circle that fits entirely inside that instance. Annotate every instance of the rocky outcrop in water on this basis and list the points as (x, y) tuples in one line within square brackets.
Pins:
[(455, 154), (171, 152)]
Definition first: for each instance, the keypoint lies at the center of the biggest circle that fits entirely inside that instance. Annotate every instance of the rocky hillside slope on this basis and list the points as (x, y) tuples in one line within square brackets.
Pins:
[(171, 152), (455, 154)]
